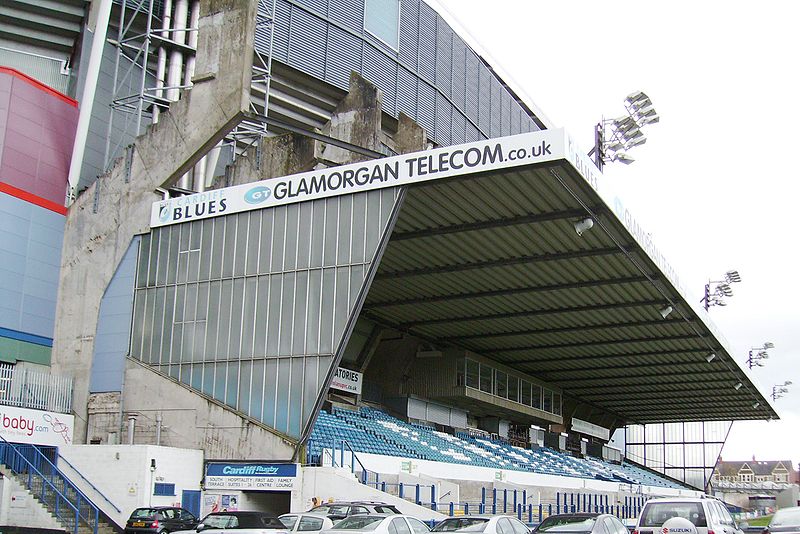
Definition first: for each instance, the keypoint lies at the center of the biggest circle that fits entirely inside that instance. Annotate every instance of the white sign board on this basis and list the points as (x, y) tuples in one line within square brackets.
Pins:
[(347, 380), (590, 429), (36, 427), (405, 169)]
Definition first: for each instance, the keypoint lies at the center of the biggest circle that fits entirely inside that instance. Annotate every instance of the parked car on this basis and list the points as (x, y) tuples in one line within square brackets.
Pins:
[(785, 521), (702, 515), (380, 524), (582, 523), (307, 522), (488, 524), (339, 510), (239, 522), (160, 519)]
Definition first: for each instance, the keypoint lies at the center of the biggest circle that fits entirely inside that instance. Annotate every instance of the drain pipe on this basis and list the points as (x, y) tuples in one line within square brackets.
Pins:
[(158, 428), (131, 427), (161, 68), (87, 99)]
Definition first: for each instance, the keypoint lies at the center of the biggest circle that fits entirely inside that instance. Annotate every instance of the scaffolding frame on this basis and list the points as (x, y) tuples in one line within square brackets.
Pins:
[(138, 95)]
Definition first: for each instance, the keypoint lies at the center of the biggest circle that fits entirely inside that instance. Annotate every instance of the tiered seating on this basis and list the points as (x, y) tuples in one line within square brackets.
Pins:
[(373, 431)]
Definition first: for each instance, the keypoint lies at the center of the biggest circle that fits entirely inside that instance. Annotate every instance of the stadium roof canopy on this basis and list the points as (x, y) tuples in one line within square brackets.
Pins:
[(491, 262)]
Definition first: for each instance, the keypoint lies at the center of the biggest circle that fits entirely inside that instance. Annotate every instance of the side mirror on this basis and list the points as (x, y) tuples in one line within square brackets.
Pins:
[(201, 527), (743, 525)]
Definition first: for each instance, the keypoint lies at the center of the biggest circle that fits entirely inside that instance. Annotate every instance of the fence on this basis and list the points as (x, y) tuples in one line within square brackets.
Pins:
[(493, 500), (27, 388)]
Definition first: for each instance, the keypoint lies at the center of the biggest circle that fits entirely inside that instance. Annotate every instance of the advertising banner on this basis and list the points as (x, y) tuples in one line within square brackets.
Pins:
[(251, 476), (36, 427), (347, 380), (405, 169)]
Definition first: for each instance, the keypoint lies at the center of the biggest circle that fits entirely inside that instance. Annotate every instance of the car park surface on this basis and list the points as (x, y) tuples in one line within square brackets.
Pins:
[(159, 519)]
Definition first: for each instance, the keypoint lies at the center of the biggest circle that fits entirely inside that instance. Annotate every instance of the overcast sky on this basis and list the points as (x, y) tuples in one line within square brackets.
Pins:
[(717, 182)]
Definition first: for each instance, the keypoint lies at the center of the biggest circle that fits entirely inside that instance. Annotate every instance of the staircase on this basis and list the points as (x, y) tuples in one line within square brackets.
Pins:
[(48, 485)]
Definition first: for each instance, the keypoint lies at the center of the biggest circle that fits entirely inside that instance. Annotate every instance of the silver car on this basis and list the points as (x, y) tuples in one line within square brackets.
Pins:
[(785, 521)]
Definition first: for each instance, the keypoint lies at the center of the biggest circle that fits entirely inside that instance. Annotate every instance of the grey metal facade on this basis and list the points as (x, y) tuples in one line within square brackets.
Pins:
[(433, 76), (252, 308)]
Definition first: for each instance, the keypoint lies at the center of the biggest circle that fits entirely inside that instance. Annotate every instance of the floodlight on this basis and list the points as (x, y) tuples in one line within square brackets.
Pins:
[(787, 383), (666, 310), (710, 357), (637, 96), (763, 355), (725, 290), (622, 158), (738, 386), (623, 133), (756, 405), (769, 345), (583, 225), (733, 277)]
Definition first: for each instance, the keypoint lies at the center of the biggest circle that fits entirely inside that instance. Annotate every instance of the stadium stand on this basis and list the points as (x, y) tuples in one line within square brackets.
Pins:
[(369, 430)]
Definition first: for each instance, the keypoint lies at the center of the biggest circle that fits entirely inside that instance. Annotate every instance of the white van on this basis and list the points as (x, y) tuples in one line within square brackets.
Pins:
[(685, 515)]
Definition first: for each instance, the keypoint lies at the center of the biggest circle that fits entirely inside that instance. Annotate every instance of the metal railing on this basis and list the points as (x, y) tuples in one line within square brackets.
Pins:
[(43, 479), (27, 388)]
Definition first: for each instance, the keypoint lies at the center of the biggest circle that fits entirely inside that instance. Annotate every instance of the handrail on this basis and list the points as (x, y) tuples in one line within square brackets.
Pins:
[(32, 469), (90, 484)]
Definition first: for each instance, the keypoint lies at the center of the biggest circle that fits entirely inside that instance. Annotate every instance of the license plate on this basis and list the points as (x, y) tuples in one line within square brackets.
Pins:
[(138, 524)]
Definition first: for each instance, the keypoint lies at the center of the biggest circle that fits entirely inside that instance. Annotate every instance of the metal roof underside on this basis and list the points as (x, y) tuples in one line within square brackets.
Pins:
[(491, 263)]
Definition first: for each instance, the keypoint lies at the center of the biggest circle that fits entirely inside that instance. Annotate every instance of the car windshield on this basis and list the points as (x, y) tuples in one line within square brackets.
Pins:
[(143, 513), (359, 522), (567, 524), (656, 513), (786, 517), (468, 524)]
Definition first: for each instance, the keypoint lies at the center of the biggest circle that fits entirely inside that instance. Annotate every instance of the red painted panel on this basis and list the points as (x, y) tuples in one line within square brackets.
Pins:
[(37, 131)]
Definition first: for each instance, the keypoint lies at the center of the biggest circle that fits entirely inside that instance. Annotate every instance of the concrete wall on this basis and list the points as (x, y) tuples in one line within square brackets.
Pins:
[(102, 221), (193, 420), (122, 474), (328, 483), (18, 508)]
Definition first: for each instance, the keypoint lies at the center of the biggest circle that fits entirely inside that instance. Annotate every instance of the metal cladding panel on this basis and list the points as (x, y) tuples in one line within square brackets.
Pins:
[(382, 71), (444, 114), (444, 58), (319, 6), (458, 128), (260, 332), (459, 76), (339, 65), (30, 259), (427, 42), (409, 33), (38, 128), (406, 92), (114, 326), (330, 42), (473, 86), (307, 43), (426, 107), (348, 13), (283, 26)]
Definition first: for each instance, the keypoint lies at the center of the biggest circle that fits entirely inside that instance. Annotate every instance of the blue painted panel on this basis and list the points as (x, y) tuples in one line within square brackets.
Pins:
[(30, 256), (112, 338)]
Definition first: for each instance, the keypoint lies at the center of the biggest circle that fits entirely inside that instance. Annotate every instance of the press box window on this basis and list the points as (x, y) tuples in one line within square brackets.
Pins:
[(382, 19)]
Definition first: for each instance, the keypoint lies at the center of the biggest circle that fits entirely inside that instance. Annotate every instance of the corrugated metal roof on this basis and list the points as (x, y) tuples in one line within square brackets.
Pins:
[(492, 264)]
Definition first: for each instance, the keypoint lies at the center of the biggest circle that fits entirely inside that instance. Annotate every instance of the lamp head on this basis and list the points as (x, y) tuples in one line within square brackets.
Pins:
[(583, 225), (710, 357), (666, 310)]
